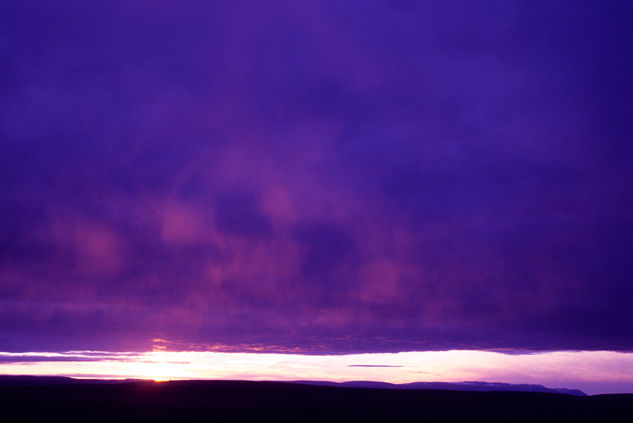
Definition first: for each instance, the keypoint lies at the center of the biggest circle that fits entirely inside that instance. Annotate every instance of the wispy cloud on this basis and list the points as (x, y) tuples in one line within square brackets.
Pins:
[(371, 365)]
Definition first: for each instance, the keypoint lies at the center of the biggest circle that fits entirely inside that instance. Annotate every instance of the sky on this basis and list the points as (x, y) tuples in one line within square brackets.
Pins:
[(316, 177)]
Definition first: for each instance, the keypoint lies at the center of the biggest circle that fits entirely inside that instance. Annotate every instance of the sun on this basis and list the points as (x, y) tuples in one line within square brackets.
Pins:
[(160, 366)]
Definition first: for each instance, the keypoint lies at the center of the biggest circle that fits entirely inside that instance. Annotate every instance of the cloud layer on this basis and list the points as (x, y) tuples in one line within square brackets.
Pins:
[(321, 177)]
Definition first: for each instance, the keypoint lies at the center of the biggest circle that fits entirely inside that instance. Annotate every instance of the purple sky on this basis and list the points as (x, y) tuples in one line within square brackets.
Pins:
[(316, 177)]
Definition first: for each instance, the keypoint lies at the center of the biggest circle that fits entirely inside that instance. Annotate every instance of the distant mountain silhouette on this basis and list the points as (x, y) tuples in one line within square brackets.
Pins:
[(7, 380), (454, 386)]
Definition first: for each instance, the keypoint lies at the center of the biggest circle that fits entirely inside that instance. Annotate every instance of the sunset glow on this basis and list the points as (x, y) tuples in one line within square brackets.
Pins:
[(591, 371)]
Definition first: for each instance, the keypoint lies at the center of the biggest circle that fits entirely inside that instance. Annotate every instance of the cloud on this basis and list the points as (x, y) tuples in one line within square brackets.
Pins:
[(316, 177), (238, 213), (371, 365)]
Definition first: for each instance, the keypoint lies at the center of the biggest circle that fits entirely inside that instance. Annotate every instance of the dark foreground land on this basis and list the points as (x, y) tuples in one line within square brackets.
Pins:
[(272, 401)]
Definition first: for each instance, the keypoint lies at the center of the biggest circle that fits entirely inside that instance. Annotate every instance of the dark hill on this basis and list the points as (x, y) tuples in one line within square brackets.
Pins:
[(278, 401)]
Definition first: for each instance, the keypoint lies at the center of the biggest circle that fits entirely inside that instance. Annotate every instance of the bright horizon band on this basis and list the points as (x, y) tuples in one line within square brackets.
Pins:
[(594, 372)]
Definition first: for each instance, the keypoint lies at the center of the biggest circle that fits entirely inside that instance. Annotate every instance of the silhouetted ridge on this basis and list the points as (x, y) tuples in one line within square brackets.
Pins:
[(7, 380), (283, 401)]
